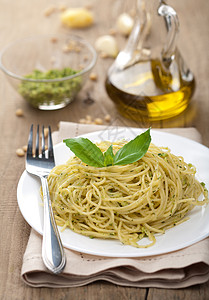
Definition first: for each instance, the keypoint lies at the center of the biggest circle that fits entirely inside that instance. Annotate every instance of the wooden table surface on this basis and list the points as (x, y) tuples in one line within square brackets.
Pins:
[(22, 18)]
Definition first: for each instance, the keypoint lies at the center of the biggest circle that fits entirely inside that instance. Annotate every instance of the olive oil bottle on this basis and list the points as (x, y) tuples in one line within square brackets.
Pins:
[(145, 91), (149, 79)]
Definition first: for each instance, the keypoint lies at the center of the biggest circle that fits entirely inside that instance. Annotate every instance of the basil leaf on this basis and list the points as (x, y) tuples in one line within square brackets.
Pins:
[(133, 150), (88, 152), (108, 157)]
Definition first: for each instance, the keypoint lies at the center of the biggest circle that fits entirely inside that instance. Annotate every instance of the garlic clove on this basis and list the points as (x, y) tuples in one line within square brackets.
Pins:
[(125, 24), (107, 44)]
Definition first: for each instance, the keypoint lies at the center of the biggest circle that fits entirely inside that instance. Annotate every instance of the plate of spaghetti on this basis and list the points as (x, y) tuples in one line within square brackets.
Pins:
[(155, 205)]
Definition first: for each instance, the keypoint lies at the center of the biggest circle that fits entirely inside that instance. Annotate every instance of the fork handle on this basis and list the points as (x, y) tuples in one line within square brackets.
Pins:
[(52, 250)]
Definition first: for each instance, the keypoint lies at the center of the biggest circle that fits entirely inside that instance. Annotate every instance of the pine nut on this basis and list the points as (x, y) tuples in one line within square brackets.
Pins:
[(20, 152), (93, 76), (62, 7), (88, 118), (48, 11), (25, 147), (19, 112), (98, 121), (112, 31), (54, 40), (107, 118), (82, 121)]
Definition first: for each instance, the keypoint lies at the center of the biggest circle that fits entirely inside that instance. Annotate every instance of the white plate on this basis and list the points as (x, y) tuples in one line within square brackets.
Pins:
[(183, 235)]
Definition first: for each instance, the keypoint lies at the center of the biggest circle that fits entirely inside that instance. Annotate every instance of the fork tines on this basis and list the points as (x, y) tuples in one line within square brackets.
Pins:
[(43, 146)]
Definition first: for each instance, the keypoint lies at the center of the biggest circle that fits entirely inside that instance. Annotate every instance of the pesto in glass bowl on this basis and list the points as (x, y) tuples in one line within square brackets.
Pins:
[(48, 71)]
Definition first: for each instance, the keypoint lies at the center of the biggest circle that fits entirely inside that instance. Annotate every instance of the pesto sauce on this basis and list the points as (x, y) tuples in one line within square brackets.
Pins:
[(50, 93)]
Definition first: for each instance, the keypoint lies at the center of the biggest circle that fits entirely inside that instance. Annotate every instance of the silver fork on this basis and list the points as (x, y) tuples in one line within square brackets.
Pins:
[(40, 165)]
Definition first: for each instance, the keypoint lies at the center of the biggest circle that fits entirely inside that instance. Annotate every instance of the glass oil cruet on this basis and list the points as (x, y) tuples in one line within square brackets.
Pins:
[(149, 79)]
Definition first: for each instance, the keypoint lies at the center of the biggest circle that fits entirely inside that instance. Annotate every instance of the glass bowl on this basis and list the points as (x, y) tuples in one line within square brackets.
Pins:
[(48, 71)]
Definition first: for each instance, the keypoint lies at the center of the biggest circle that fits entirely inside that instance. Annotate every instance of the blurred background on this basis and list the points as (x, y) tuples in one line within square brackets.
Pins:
[(20, 19)]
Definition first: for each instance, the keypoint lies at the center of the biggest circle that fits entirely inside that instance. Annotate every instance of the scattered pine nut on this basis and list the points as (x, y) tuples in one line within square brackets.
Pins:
[(71, 46), (25, 147), (54, 40), (107, 118), (77, 49), (20, 152), (50, 10), (98, 121), (103, 55), (88, 122), (85, 58), (66, 49), (112, 31), (82, 121), (88, 6), (132, 13), (62, 7), (88, 118), (93, 76), (19, 112)]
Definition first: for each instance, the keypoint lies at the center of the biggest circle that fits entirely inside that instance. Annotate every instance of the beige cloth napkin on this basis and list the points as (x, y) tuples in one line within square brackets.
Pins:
[(178, 269)]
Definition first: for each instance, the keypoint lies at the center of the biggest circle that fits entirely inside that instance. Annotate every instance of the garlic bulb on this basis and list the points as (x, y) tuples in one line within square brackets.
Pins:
[(125, 24), (107, 44)]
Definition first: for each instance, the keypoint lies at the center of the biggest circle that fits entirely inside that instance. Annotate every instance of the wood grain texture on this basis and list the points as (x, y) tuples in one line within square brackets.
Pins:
[(23, 18)]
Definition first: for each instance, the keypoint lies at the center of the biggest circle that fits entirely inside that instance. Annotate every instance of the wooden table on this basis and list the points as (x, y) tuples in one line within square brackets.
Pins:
[(22, 18)]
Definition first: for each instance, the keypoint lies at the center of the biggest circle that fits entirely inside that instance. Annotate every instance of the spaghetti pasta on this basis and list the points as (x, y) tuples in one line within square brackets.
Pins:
[(126, 202)]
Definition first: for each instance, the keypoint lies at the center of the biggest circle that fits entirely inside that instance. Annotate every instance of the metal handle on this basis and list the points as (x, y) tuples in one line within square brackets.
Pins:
[(52, 249)]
